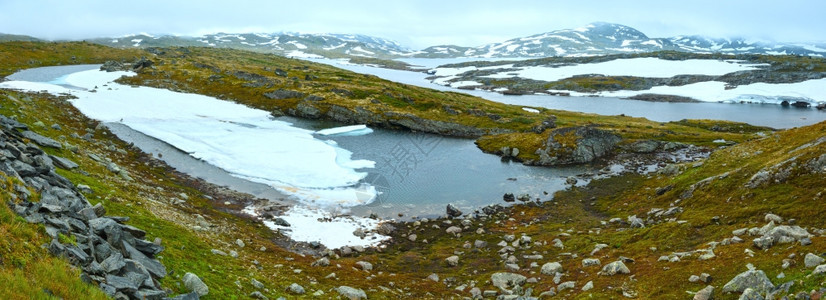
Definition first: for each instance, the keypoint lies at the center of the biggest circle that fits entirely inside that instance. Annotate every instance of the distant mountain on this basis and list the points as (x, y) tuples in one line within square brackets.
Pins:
[(287, 44), (15, 37), (590, 40), (606, 38)]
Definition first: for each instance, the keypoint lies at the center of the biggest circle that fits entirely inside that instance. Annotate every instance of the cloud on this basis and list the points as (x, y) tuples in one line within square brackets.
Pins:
[(415, 23)]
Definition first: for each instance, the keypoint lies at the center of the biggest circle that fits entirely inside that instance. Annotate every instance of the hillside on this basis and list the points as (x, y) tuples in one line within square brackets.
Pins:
[(629, 236)]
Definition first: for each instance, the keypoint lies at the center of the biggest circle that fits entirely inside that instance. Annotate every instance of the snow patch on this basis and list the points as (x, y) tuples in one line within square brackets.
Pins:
[(352, 130), (313, 225)]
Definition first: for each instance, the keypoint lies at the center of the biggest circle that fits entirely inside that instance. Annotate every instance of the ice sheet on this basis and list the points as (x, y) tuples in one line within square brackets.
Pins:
[(243, 141)]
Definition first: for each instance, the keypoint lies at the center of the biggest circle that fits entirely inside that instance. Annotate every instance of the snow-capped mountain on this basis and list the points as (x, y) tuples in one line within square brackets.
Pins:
[(285, 43), (590, 40), (606, 38)]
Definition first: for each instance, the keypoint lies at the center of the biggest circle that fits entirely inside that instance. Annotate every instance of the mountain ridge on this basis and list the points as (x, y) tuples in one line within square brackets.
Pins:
[(594, 39)]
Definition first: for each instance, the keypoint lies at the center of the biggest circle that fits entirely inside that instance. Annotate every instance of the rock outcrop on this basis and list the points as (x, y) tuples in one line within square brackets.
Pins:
[(576, 145), (110, 254)]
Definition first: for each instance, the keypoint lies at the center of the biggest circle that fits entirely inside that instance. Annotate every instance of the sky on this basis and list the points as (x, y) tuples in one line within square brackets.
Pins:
[(415, 24)]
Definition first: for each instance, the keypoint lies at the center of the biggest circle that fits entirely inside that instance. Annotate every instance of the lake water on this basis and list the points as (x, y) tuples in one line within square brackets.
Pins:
[(770, 115), (415, 174)]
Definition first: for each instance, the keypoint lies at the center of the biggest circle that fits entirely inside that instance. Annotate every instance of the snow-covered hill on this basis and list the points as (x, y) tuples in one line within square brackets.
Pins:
[(590, 40), (287, 44), (607, 38)]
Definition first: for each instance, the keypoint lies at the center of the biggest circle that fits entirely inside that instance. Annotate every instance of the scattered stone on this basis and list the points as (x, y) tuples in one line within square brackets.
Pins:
[(705, 278), (454, 230), (751, 294), (617, 267), (506, 281), (571, 180), (773, 218), (566, 286), (365, 266), (295, 288), (240, 243), (452, 261), (351, 293), (588, 286), (194, 284), (412, 237), (754, 279), (821, 269), (590, 262), (258, 295), (433, 277), (480, 244), (706, 293), (509, 197), (812, 260), (218, 252), (453, 211)]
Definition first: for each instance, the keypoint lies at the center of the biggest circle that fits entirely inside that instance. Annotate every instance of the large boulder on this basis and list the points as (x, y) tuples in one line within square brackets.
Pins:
[(617, 267), (505, 281), (194, 284), (576, 145), (753, 279), (351, 293)]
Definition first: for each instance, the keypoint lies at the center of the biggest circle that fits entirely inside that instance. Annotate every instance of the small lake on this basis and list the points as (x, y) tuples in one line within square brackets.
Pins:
[(415, 174), (770, 115)]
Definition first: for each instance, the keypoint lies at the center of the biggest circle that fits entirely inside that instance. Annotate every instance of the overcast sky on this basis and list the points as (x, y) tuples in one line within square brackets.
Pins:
[(415, 24)]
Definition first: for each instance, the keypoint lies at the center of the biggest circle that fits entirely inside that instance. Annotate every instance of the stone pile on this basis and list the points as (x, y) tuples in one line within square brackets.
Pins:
[(111, 254)]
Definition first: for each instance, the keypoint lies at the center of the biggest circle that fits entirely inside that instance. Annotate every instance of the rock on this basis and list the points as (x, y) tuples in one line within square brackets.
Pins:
[(63, 163), (773, 218), (754, 279), (295, 288), (476, 293), (351, 293), (152, 265), (821, 269), (551, 268), (509, 197), (452, 261), (365, 266), (506, 281), (194, 284), (433, 277), (258, 295), (588, 286), (571, 180), (636, 222), (705, 278), (281, 222), (40, 140), (454, 230), (322, 262), (812, 260), (566, 286), (617, 267), (385, 228), (590, 262), (283, 94), (480, 244), (412, 237), (706, 293), (646, 146), (750, 294), (693, 278), (524, 197), (453, 211), (257, 284), (113, 263), (576, 145), (121, 284), (512, 267), (240, 243)]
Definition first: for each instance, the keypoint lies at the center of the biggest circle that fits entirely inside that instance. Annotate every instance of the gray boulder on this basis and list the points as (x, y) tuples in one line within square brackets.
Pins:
[(576, 145), (351, 293), (812, 260), (617, 267), (194, 284), (40, 140), (707, 293), (551, 268), (453, 211), (753, 279), (505, 281), (295, 288), (750, 294)]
